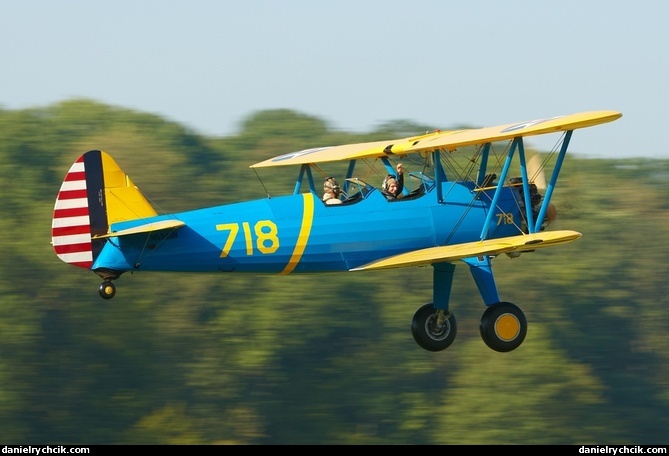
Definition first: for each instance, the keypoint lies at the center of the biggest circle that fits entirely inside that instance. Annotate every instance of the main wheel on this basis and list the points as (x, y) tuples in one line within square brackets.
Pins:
[(503, 327), (432, 331), (107, 289)]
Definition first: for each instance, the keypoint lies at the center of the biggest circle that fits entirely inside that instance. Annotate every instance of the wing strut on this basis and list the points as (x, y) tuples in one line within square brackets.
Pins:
[(551, 185), (439, 174), (500, 184), (483, 167)]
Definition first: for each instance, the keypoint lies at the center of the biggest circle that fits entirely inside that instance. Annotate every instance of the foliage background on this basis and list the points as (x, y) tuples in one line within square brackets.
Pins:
[(322, 359)]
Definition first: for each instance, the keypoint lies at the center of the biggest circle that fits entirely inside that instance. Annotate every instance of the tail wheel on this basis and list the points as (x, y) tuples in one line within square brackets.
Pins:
[(503, 327), (432, 329), (107, 289)]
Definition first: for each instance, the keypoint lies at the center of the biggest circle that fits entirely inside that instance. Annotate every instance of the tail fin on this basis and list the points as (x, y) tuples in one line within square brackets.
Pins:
[(95, 193)]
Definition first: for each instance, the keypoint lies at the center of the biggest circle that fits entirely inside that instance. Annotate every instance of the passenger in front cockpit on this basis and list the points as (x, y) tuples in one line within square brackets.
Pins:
[(393, 185)]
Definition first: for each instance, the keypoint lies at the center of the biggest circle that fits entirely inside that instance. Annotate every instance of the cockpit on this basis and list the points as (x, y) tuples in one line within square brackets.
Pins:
[(355, 189)]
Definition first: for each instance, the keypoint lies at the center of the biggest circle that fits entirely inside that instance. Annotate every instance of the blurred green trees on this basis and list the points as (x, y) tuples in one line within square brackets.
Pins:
[(208, 359)]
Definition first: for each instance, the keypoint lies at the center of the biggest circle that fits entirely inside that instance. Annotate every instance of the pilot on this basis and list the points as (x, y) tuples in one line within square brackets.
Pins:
[(331, 191), (393, 185)]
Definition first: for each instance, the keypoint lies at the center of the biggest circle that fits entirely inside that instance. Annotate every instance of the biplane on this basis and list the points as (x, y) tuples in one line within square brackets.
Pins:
[(470, 197)]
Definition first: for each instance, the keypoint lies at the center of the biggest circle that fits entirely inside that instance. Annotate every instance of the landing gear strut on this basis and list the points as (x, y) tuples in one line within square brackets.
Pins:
[(503, 325), (107, 289)]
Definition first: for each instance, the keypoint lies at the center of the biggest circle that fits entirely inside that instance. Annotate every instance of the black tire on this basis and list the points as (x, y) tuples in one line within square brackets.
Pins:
[(503, 327), (107, 290), (426, 331)]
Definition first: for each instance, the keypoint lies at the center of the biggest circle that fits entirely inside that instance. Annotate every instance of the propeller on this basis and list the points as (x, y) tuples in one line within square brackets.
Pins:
[(536, 174)]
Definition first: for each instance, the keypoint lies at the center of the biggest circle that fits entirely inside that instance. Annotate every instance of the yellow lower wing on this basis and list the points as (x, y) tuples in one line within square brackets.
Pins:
[(447, 253)]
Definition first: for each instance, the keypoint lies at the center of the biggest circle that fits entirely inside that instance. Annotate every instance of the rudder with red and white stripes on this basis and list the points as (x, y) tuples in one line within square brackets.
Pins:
[(80, 212)]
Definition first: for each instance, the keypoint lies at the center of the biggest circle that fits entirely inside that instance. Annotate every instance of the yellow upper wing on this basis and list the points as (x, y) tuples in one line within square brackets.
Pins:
[(448, 140), (336, 153), (509, 131), (447, 253)]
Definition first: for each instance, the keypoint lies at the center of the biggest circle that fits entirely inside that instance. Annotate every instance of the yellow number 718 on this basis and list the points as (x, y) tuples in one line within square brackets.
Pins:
[(266, 233)]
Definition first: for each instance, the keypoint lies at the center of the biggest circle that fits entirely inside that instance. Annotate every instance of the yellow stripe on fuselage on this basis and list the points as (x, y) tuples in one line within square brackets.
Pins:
[(305, 232)]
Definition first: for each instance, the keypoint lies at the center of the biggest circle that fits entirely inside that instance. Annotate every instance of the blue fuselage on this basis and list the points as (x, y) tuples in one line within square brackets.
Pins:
[(299, 233)]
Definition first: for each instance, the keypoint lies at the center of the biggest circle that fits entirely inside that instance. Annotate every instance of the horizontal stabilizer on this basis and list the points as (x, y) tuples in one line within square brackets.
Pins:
[(146, 228), (448, 253)]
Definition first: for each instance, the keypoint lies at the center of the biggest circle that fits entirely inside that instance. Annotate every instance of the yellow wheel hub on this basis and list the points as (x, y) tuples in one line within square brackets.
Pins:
[(507, 327)]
